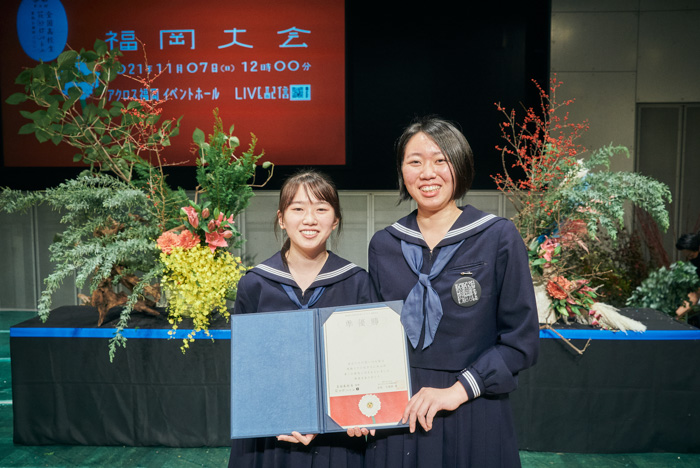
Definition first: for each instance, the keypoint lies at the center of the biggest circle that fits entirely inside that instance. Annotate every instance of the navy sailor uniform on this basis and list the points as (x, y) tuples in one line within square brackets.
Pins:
[(482, 343), (267, 288)]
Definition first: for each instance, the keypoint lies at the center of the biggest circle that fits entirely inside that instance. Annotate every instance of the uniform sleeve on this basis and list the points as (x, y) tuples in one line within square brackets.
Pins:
[(246, 297), (374, 261), (495, 371), (365, 293)]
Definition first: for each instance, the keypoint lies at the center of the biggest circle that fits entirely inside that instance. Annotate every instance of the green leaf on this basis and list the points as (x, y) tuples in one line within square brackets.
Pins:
[(66, 57), (266, 165), (77, 157), (88, 55), (115, 111), (42, 135), (100, 47), (198, 137), (24, 78), (27, 128), (16, 98)]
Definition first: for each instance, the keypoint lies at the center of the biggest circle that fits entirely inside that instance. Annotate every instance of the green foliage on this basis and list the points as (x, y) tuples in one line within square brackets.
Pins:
[(223, 176), (588, 191), (666, 289), (107, 225), (71, 94), (599, 195)]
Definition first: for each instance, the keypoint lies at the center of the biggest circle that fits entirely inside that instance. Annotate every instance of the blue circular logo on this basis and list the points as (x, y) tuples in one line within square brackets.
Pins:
[(42, 28)]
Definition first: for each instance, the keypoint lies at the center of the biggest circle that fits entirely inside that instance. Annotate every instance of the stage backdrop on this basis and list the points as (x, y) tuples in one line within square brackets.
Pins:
[(325, 83), (275, 68)]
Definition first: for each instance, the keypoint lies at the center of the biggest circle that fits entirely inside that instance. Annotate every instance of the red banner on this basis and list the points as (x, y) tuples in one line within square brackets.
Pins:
[(276, 69)]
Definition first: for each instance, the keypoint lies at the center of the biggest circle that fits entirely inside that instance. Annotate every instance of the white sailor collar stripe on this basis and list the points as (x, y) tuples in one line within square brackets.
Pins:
[(338, 272), (274, 269), (470, 226), (407, 231), (470, 222)]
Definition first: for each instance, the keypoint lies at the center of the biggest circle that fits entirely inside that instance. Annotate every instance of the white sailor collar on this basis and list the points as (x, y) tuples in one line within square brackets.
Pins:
[(334, 270), (469, 223)]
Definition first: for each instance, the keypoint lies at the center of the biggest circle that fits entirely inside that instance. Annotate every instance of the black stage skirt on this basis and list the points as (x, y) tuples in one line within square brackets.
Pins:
[(325, 451), (479, 434)]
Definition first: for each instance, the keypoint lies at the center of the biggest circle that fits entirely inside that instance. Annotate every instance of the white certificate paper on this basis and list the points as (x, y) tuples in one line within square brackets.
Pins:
[(366, 367)]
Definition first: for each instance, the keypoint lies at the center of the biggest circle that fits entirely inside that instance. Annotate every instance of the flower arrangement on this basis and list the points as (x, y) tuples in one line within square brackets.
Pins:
[(199, 274), (117, 208), (562, 200)]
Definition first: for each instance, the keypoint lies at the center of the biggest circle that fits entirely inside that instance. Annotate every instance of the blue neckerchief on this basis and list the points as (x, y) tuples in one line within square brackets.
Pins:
[(314, 297), (420, 307)]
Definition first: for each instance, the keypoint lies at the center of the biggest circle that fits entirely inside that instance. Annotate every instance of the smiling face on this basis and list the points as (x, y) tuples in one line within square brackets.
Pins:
[(309, 222), (427, 174)]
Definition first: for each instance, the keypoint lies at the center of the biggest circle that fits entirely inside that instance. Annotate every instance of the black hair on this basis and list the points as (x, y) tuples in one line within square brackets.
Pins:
[(452, 143), (315, 183), (689, 242)]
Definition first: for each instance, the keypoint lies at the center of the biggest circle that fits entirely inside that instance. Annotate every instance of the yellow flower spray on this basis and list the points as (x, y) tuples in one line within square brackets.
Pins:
[(198, 281)]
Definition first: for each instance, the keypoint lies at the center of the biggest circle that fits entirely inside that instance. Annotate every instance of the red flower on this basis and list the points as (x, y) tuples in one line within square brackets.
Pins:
[(558, 287)]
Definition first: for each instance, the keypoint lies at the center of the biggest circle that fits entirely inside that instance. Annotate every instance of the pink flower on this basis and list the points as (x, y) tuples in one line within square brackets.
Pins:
[(167, 241), (192, 217), (205, 213), (548, 246), (187, 240), (215, 239), (222, 220)]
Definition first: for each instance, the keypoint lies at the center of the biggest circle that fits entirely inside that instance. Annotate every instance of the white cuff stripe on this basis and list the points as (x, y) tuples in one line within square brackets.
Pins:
[(472, 383)]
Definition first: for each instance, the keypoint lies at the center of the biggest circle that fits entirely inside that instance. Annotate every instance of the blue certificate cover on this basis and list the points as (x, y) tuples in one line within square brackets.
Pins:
[(287, 376)]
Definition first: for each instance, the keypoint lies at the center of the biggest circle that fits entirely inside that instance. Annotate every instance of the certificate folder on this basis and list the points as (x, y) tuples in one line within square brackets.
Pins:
[(318, 370)]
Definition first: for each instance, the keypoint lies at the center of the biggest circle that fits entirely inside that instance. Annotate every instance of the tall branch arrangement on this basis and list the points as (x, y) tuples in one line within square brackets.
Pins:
[(117, 208), (563, 200)]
